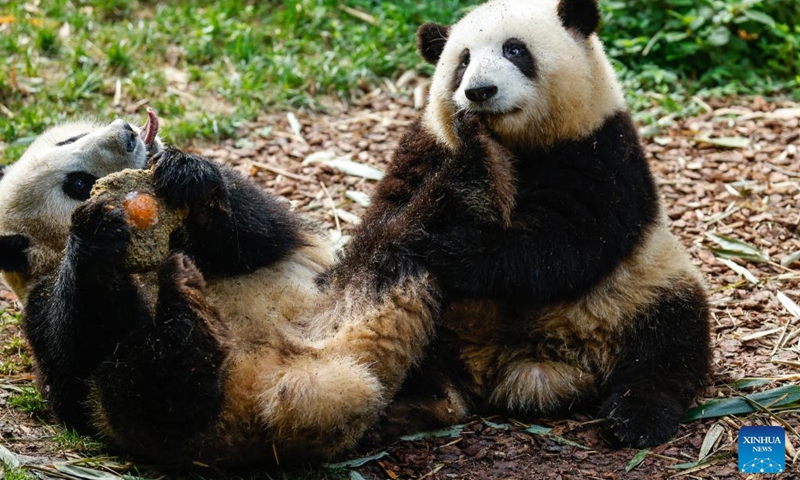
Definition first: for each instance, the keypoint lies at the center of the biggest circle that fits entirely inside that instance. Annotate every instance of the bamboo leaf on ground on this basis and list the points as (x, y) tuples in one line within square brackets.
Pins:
[(724, 142), (345, 165), (750, 383), (791, 258), (789, 305), (747, 274), (356, 462), (710, 440), (637, 459), (7, 457), (773, 399), (496, 426), (453, 431), (84, 473), (733, 247)]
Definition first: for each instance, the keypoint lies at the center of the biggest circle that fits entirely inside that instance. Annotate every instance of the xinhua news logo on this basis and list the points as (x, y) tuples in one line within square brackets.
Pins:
[(762, 450)]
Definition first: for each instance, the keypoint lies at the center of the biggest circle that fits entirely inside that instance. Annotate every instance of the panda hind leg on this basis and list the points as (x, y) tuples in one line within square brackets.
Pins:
[(664, 364), (164, 386), (530, 385)]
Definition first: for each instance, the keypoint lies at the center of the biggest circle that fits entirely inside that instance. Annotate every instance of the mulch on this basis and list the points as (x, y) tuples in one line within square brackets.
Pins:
[(733, 171)]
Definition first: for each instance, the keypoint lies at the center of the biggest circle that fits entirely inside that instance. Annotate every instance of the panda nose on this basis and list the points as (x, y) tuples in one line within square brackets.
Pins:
[(130, 140), (129, 137), (481, 94)]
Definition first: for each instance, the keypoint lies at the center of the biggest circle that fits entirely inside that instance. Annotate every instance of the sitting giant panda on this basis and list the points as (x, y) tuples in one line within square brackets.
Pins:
[(563, 281), (231, 353)]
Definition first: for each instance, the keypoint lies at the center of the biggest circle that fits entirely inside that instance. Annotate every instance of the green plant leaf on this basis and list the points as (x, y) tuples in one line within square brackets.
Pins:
[(8, 457), (791, 258), (778, 397), (750, 383), (710, 440), (747, 274), (789, 304), (453, 431), (356, 462), (712, 459), (719, 37), (84, 473), (732, 247), (637, 459), (496, 426), (567, 441), (759, 17), (538, 430)]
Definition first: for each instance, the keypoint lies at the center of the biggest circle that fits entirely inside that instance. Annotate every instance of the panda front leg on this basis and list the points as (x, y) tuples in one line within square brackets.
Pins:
[(233, 227), (663, 365), (163, 387), (75, 319)]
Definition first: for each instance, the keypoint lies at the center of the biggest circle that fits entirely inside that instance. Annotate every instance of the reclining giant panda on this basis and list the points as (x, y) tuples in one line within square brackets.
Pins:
[(231, 353)]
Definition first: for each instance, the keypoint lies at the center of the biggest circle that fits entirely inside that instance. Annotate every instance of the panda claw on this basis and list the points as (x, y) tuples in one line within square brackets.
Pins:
[(640, 419), (183, 273)]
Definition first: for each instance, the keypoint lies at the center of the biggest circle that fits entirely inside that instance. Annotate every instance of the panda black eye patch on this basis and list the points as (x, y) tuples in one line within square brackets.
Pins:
[(78, 185), (71, 140), (516, 52), (463, 63)]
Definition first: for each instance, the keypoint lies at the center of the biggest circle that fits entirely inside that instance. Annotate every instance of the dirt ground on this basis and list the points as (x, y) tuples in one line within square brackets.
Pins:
[(732, 171)]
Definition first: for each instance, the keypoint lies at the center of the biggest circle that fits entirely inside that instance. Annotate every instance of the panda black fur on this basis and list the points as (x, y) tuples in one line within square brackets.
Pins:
[(573, 289), (232, 353)]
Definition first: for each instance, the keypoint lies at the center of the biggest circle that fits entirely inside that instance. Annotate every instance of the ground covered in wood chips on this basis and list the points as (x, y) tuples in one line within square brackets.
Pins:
[(730, 179)]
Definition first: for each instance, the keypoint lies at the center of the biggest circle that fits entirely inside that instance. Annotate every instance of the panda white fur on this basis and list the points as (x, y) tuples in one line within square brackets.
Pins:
[(232, 353), (546, 233)]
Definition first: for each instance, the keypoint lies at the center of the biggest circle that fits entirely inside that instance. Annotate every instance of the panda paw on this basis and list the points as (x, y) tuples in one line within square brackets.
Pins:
[(180, 274), (183, 179), (469, 128), (641, 419), (100, 231)]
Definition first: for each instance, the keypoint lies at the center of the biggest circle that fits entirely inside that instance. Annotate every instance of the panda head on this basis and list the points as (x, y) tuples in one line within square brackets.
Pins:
[(533, 69), (39, 192)]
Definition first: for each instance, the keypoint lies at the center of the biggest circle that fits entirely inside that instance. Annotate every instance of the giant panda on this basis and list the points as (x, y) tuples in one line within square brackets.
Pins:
[(233, 352), (562, 281)]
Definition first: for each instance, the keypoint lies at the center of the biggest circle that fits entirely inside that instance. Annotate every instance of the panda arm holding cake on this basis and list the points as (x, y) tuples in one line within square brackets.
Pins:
[(579, 291), (67, 330)]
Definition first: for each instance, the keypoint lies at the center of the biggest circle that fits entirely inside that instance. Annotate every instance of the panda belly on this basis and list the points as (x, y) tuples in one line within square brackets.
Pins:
[(266, 313), (271, 301), (547, 358)]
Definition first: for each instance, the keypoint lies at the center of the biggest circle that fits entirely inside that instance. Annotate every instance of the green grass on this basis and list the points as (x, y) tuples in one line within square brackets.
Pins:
[(70, 440), (30, 401), (209, 67), (14, 358), (205, 68), (15, 473)]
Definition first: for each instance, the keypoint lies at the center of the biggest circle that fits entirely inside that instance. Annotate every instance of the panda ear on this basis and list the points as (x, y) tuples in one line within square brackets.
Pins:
[(580, 15), (13, 253), (431, 38)]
